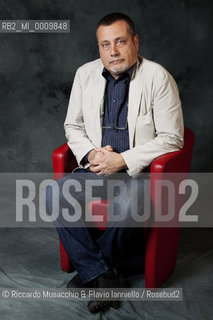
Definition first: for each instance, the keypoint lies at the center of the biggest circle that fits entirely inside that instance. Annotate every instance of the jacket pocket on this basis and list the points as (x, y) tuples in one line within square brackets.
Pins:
[(144, 129)]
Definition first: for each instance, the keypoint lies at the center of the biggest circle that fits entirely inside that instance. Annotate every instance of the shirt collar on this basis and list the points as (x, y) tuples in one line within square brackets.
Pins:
[(128, 73)]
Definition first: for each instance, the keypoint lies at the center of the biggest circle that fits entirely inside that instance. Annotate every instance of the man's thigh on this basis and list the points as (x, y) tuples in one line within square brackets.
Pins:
[(69, 197), (127, 208), (125, 195), (82, 182)]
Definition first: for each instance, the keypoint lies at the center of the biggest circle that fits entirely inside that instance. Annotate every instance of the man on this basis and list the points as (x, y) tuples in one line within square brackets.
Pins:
[(124, 111)]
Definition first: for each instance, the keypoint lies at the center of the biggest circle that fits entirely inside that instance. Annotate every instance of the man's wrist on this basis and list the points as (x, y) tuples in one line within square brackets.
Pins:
[(90, 155), (86, 157), (123, 163)]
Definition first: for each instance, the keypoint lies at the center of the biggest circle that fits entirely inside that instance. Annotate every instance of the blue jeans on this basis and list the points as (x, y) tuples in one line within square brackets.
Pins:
[(90, 250)]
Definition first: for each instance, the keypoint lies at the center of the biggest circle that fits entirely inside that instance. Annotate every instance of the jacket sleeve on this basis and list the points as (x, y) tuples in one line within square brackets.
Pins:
[(74, 126), (168, 122)]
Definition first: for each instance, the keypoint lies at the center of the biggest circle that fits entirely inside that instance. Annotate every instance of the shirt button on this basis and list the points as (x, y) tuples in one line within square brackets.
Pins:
[(113, 100)]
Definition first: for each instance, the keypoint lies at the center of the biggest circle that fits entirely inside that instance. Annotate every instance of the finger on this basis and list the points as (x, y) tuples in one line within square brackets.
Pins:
[(99, 149), (100, 173), (95, 163), (96, 169), (108, 147), (91, 168), (104, 149)]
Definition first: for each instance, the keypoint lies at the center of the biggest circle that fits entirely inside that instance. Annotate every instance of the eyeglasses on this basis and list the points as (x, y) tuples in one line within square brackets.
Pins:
[(112, 127), (115, 127)]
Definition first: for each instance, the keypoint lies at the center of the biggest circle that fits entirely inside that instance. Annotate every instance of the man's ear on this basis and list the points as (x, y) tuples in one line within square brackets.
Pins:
[(136, 41)]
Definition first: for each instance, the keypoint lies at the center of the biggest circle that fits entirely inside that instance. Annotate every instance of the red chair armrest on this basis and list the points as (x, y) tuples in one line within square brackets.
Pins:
[(178, 161), (63, 161)]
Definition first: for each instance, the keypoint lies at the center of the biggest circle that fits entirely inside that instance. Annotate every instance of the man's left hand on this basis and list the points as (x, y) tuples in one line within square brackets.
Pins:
[(110, 163)]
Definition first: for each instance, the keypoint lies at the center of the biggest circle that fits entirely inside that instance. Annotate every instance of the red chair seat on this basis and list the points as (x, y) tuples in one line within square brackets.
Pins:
[(161, 243)]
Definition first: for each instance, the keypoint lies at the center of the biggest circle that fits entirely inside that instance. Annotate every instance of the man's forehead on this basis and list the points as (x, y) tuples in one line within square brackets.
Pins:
[(115, 30)]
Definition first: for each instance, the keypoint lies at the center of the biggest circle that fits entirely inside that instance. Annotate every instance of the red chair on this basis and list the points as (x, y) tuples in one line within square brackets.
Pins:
[(161, 242)]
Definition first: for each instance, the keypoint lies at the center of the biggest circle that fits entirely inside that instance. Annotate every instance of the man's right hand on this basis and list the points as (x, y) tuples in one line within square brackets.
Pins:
[(96, 155)]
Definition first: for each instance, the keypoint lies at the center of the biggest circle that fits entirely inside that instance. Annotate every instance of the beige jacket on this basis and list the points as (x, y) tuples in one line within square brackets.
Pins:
[(155, 119)]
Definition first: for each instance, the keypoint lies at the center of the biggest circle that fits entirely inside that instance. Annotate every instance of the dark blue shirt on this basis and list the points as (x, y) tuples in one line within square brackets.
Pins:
[(114, 122)]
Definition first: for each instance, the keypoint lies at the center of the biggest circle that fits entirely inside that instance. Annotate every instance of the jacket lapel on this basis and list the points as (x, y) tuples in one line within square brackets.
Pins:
[(135, 92), (98, 89)]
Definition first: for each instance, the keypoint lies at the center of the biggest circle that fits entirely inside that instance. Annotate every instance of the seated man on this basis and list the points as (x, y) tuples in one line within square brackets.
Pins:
[(124, 111)]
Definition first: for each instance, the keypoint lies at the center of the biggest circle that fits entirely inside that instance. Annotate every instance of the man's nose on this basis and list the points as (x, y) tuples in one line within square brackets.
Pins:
[(114, 50)]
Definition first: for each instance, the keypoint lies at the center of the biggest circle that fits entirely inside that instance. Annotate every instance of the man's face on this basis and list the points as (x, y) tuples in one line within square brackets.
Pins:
[(118, 50)]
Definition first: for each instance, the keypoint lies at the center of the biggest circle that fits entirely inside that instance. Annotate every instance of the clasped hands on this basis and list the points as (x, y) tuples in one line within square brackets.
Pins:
[(104, 161)]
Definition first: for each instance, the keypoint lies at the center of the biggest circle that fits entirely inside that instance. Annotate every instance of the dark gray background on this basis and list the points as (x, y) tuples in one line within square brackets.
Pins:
[(37, 70)]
